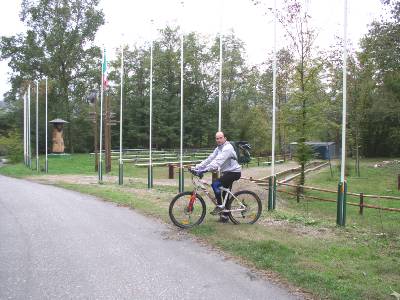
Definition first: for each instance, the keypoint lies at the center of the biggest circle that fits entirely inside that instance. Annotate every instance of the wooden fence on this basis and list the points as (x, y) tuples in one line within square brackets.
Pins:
[(361, 196)]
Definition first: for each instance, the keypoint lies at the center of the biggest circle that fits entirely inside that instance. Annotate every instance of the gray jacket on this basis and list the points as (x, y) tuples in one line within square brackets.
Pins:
[(223, 157)]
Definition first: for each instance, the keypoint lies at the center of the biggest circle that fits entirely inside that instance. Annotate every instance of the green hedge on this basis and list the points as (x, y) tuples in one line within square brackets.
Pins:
[(12, 147)]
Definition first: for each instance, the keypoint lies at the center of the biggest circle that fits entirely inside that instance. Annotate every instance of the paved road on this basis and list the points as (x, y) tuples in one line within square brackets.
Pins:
[(58, 244)]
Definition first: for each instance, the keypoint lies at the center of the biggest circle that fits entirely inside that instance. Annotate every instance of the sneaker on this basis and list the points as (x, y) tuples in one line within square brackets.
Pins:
[(217, 210), (223, 218)]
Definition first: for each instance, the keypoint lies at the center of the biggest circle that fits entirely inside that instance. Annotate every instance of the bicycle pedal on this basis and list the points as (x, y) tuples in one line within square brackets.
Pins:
[(217, 210)]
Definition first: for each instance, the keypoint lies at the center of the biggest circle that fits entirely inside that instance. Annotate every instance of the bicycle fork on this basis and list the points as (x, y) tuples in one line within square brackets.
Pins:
[(191, 202)]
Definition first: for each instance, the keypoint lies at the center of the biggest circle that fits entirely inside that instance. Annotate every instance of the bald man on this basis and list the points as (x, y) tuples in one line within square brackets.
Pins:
[(223, 158)]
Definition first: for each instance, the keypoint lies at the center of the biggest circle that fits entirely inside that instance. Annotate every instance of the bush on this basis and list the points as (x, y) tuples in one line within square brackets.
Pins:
[(12, 147)]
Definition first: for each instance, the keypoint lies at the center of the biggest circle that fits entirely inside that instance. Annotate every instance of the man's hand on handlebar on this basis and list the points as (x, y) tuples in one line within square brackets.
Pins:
[(197, 171)]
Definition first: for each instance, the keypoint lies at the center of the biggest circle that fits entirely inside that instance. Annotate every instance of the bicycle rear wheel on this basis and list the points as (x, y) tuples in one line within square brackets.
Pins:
[(245, 207), (186, 211)]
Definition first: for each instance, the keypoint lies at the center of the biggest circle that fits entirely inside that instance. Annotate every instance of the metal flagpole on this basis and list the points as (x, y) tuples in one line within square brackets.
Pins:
[(25, 128), (272, 180), (121, 166), (150, 170), (100, 174), (342, 188), (46, 167), (220, 70), (181, 179), (29, 128), (37, 125)]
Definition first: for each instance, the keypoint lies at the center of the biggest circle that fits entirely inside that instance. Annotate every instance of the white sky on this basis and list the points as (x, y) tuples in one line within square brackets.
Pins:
[(129, 20)]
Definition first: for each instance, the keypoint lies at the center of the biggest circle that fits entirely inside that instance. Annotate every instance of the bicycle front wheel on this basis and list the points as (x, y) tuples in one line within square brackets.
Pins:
[(245, 207), (187, 210)]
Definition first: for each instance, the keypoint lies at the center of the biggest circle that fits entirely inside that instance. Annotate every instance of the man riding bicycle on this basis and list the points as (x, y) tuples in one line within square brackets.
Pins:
[(223, 158)]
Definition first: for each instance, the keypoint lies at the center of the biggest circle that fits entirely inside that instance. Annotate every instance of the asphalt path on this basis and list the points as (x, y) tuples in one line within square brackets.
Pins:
[(59, 244)]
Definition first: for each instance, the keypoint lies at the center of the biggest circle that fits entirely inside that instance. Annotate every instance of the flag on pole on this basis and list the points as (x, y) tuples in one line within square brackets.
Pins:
[(104, 70)]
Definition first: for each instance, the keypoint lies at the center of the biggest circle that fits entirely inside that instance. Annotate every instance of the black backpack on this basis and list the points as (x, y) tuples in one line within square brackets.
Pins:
[(242, 151)]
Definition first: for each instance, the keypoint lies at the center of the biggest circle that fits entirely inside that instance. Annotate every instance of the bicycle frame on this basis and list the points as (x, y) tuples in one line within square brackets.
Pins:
[(201, 185)]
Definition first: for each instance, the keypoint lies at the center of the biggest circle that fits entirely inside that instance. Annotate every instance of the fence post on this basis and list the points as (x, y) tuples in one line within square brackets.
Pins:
[(398, 182), (270, 195), (361, 203), (341, 204), (170, 171), (274, 193), (181, 180), (150, 177), (121, 173), (298, 194)]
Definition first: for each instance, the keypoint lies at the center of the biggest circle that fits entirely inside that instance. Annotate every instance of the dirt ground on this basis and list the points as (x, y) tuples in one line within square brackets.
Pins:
[(254, 172)]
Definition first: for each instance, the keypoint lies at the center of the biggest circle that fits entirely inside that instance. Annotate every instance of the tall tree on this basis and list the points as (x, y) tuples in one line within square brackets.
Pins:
[(58, 44), (379, 60), (234, 70), (296, 22), (200, 117), (283, 82)]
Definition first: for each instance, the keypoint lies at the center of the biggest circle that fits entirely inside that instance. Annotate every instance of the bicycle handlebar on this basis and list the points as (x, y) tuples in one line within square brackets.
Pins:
[(194, 173)]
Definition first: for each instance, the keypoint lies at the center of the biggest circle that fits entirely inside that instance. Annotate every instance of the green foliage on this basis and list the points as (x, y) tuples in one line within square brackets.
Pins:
[(12, 147), (378, 85), (258, 129), (304, 153), (57, 44), (200, 91)]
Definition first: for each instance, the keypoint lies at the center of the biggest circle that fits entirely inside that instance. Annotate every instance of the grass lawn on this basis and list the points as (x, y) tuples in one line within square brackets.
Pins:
[(299, 241), (372, 181), (83, 164)]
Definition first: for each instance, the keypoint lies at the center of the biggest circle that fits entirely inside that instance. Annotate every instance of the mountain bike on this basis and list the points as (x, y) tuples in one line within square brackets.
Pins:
[(188, 209)]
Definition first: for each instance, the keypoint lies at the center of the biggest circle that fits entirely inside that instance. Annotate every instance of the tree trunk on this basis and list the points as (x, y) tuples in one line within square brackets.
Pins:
[(302, 177)]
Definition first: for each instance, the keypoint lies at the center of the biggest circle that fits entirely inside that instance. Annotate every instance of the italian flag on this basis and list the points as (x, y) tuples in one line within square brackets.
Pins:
[(104, 70)]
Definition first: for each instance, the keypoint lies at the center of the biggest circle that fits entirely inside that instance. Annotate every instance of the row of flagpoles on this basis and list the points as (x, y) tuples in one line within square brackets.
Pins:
[(104, 84), (341, 203), (27, 128)]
